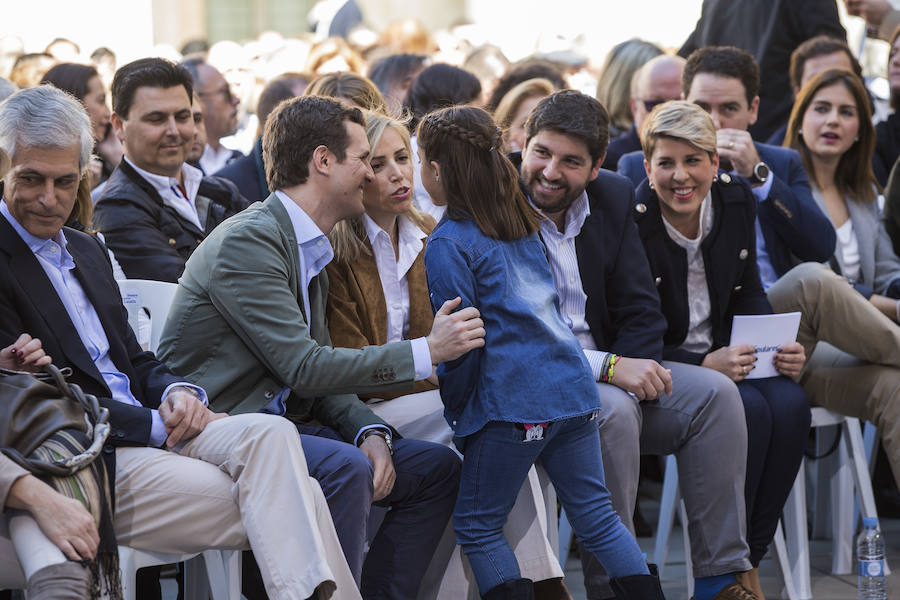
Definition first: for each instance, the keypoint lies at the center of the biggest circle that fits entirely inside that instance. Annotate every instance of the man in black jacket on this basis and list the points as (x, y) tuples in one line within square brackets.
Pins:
[(608, 298), (156, 208)]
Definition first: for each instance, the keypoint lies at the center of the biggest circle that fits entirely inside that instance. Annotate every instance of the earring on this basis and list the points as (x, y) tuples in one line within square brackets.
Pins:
[(856, 139), (799, 132), (716, 177), (650, 183), (437, 178)]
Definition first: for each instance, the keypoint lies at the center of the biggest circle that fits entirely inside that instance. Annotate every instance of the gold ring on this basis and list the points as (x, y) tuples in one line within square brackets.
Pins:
[(744, 370), (730, 145)]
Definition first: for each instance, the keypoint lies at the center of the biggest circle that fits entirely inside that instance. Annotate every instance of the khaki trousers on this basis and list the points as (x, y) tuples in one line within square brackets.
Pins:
[(853, 350), (528, 529), (242, 482)]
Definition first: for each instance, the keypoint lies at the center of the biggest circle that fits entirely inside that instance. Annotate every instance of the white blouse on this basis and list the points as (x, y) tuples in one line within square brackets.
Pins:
[(392, 270), (848, 246), (699, 336)]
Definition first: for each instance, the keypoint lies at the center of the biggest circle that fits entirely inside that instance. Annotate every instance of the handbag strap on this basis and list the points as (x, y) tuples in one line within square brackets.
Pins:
[(97, 418)]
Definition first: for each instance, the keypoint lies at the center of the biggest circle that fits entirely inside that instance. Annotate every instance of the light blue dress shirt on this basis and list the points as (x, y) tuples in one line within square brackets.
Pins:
[(58, 264)]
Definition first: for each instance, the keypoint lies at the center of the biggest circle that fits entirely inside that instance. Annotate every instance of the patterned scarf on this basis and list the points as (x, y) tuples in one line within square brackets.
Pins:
[(90, 486)]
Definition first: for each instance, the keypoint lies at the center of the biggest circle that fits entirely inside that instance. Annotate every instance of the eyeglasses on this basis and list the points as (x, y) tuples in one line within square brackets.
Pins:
[(224, 90)]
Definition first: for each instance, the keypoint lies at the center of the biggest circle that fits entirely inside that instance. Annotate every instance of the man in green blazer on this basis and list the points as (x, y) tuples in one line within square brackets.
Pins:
[(248, 324)]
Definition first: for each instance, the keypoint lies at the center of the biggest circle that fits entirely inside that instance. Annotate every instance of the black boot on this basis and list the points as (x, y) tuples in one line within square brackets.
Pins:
[(516, 589), (637, 587)]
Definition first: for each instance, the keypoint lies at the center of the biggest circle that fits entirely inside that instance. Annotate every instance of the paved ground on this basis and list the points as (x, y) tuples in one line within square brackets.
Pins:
[(825, 586)]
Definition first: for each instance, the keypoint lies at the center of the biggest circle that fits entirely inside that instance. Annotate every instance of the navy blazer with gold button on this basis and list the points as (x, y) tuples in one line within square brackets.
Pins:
[(794, 227), (729, 256)]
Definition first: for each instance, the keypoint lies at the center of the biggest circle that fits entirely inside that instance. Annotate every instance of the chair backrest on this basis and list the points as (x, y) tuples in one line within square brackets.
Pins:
[(153, 296)]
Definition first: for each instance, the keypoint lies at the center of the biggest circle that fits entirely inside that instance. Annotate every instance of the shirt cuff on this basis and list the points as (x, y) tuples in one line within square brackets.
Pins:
[(595, 360), (201, 393), (762, 192), (158, 433), (421, 358), (358, 439)]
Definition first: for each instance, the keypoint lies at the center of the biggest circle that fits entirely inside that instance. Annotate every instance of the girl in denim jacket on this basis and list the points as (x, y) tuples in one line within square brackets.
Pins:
[(528, 394)]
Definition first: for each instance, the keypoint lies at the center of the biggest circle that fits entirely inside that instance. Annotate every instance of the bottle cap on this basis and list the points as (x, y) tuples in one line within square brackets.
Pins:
[(870, 522)]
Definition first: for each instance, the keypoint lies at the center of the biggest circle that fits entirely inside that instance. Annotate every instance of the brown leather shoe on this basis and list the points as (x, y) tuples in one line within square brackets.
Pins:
[(551, 589), (735, 591)]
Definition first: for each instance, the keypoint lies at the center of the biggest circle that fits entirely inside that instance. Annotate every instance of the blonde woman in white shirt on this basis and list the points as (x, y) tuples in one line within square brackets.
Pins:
[(378, 294)]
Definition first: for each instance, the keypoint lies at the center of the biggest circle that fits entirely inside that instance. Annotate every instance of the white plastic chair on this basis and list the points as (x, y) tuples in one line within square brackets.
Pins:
[(852, 473), (672, 498), (154, 296), (222, 569)]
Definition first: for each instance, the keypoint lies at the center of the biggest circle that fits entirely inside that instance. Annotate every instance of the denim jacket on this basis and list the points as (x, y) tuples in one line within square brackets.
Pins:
[(531, 368)]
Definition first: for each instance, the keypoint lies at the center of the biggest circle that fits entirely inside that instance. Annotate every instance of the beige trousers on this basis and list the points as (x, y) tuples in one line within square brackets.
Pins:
[(532, 525), (243, 482), (852, 349)]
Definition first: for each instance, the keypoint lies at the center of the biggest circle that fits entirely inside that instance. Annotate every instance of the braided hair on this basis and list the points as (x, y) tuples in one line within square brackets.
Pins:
[(480, 182)]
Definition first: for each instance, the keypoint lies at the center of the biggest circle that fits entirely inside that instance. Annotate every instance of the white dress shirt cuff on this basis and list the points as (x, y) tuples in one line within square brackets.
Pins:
[(762, 192), (158, 433), (421, 358), (358, 439), (595, 359), (201, 393)]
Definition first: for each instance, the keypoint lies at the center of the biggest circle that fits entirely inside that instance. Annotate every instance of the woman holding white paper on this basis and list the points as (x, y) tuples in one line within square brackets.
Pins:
[(699, 235)]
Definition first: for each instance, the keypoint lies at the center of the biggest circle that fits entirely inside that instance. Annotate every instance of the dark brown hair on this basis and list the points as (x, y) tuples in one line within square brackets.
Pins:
[(71, 77), (296, 128), (479, 181), (854, 176), (147, 72), (575, 114), (722, 61), (821, 45)]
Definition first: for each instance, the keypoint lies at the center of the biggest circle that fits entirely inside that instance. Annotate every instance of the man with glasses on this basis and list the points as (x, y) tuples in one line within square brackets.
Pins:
[(157, 208), (220, 108), (657, 81)]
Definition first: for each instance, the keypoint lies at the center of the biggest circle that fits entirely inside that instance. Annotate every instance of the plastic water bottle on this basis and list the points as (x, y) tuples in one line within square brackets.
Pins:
[(871, 584)]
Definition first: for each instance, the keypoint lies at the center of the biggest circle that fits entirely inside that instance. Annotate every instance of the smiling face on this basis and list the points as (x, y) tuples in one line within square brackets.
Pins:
[(95, 103), (725, 99), (40, 188), (390, 192), (556, 168), (158, 130), (831, 122), (681, 175)]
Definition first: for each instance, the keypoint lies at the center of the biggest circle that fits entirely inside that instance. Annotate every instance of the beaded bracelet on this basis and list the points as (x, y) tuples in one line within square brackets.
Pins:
[(612, 367)]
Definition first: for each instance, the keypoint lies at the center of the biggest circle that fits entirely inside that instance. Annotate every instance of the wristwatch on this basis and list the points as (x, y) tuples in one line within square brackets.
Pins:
[(760, 173), (388, 439)]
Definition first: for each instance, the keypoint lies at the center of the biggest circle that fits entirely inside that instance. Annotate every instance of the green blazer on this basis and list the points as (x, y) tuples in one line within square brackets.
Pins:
[(238, 329)]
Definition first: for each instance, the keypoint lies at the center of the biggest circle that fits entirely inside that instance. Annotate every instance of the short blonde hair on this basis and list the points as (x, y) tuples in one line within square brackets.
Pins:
[(348, 237), (344, 84), (679, 120), (513, 99)]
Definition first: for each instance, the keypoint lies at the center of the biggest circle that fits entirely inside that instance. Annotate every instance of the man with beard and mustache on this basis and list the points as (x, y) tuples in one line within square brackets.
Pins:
[(608, 298)]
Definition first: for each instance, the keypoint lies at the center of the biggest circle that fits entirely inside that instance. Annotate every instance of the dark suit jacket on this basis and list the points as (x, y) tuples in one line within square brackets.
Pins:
[(30, 304), (793, 225), (729, 256), (769, 30), (887, 147), (625, 143), (248, 174), (150, 239), (622, 307)]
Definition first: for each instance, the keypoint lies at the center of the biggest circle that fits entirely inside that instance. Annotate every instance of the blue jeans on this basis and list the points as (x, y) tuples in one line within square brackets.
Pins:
[(495, 465)]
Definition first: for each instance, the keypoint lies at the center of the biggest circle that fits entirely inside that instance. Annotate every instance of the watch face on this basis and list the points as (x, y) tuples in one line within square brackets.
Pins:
[(761, 172)]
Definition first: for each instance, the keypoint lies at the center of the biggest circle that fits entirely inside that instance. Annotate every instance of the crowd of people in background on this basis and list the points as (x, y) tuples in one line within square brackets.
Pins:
[(415, 275)]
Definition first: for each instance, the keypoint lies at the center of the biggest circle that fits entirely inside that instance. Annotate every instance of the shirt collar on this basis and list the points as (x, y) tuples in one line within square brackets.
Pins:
[(36, 244), (576, 215), (305, 229), (409, 232), (163, 183)]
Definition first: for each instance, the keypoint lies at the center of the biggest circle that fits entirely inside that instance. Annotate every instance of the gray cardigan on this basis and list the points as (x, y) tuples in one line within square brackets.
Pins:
[(878, 264)]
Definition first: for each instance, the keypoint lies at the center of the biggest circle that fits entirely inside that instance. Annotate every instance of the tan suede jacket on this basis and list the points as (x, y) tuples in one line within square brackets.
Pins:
[(357, 312)]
